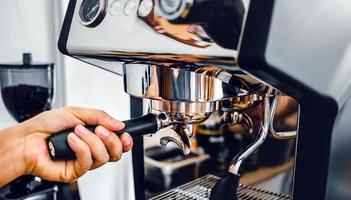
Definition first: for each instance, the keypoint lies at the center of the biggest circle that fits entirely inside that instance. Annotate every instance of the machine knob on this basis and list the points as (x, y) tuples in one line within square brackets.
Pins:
[(221, 19)]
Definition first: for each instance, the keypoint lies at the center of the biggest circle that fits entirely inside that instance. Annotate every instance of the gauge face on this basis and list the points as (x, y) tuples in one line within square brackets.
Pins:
[(92, 12)]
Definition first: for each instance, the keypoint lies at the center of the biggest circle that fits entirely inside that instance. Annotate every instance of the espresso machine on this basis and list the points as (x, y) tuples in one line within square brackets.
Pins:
[(191, 58)]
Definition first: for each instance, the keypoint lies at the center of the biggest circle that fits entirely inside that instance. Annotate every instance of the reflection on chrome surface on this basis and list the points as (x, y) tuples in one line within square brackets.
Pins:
[(184, 83), (132, 36)]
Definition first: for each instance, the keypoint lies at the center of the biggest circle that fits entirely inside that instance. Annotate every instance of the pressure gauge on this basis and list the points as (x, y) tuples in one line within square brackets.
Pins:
[(92, 12)]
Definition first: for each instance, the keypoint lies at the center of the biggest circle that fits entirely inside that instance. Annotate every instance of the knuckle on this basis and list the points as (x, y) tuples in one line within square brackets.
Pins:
[(67, 178), (115, 150), (127, 149), (86, 164), (116, 155), (84, 158), (102, 113), (102, 160), (111, 143), (117, 158), (63, 178)]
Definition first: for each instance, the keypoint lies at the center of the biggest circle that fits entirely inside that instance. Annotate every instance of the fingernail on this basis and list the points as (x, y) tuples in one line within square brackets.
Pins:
[(103, 132), (126, 141), (74, 138), (83, 130)]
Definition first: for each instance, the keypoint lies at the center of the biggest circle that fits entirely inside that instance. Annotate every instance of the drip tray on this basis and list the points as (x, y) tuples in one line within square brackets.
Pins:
[(200, 189)]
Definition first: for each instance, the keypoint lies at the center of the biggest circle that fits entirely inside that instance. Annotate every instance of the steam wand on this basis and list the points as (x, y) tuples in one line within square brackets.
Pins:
[(226, 188)]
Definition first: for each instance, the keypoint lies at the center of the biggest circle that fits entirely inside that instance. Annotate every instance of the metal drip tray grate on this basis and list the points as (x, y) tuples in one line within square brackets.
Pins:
[(200, 189)]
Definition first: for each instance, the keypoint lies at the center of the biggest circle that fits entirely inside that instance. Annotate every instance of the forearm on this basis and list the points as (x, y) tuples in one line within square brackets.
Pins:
[(12, 160)]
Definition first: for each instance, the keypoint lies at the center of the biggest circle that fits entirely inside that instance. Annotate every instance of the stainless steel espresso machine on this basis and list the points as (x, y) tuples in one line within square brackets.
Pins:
[(191, 58)]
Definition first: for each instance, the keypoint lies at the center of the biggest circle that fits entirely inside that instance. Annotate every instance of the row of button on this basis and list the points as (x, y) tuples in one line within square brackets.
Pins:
[(145, 7)]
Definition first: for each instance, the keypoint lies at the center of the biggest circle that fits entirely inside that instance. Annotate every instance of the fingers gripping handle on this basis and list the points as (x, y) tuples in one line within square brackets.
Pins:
[(59, 148)]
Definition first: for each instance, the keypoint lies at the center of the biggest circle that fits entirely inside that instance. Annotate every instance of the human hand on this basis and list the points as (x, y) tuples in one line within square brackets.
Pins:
[(92, 150)]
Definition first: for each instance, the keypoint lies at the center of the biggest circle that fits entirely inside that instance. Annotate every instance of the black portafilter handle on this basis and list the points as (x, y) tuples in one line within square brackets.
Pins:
[(59, 148)]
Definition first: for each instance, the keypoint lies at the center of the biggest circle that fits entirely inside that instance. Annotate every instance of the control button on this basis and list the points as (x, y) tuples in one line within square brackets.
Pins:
[(115, 7), (145, 8), (174, 9), (130, 7), (170, 6)]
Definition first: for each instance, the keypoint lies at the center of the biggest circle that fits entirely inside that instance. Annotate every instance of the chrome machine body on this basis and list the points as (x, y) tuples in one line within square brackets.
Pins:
[(190, 58)]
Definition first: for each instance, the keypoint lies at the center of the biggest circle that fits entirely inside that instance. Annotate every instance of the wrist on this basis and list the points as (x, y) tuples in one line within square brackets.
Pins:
[(12, 153), (19, 134)]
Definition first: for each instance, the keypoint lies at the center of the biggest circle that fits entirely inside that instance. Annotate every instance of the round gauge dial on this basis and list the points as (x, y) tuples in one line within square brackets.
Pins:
[(92, 12)]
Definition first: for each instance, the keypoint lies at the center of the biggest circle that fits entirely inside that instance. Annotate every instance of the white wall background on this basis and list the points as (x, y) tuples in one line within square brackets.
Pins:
[(32, 26), (27, 26)]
